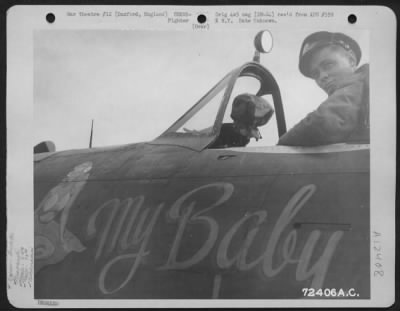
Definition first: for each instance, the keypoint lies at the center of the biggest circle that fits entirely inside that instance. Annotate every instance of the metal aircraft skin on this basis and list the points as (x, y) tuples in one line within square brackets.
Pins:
[(179, 217)]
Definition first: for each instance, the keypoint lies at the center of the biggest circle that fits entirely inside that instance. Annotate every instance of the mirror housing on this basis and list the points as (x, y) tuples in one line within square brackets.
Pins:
[(263, 41)]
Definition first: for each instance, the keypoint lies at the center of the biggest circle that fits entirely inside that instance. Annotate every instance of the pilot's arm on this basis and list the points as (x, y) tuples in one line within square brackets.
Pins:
[(332, 122)]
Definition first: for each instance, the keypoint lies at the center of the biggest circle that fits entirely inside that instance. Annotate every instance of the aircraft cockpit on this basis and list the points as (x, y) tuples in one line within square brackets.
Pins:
[(210, 120)]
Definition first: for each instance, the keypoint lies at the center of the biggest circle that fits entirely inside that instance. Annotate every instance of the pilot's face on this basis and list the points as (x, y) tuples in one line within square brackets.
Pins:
[(329, 65)]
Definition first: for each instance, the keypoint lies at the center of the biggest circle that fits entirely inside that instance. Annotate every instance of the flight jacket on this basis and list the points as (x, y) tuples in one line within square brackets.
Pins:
[(342, 117)]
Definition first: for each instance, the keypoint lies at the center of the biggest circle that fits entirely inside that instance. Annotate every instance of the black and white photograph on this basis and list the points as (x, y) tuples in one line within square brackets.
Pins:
[(209, 154)]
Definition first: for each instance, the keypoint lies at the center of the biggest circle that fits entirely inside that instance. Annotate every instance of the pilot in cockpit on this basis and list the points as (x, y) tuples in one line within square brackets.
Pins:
[(248, 113)]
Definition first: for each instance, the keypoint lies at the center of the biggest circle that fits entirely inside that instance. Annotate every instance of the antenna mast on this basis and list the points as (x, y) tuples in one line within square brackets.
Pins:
[(91, 136)]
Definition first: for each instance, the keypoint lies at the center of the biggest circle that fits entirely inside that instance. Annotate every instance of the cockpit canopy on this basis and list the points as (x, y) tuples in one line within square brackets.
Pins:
[(203, 124)]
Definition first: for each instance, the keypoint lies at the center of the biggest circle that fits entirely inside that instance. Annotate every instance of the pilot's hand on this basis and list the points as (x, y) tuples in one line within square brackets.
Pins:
[(255, 132), (249, 132)]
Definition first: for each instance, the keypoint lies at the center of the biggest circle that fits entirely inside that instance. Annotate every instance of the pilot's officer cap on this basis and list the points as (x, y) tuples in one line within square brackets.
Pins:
[(318, 40)]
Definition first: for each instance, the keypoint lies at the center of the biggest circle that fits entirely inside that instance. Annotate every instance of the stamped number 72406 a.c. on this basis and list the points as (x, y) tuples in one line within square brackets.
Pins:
[(329, 292)]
